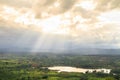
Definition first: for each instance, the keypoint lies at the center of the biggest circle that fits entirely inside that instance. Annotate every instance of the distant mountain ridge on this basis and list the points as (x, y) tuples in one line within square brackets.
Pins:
[(80, 51)]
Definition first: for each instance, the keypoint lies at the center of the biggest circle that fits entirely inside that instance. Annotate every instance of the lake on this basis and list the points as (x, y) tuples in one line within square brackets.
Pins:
[(80, 70)]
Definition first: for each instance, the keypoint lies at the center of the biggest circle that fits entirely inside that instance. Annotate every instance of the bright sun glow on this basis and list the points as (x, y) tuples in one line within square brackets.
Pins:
[(50, 24), (9, 10), (53, 24), (87, 5)]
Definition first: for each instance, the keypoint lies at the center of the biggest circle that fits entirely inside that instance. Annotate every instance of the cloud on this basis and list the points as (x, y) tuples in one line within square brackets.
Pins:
[(17, 3), (101, 6), (67, 4), (15, 36), (94, 26), (105, 5), (107, 34), (52, 7)]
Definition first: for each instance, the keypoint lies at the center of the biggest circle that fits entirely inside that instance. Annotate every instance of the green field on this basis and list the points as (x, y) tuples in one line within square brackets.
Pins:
[(30, 67)]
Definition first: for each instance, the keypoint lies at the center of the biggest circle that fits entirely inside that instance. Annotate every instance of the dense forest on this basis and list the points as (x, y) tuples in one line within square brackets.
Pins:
[(34, 66)]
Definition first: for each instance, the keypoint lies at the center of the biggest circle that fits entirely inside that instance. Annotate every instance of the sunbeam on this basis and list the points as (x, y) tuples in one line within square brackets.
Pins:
[(53, 25)]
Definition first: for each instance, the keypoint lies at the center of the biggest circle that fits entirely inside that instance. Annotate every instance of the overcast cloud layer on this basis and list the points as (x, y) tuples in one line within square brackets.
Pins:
[(59, 24)]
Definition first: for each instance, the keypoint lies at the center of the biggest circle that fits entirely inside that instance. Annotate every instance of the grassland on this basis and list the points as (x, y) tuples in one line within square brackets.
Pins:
[(30, 67)]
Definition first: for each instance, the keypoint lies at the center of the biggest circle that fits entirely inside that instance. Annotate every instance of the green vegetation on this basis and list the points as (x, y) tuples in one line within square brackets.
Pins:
[(32, 67)]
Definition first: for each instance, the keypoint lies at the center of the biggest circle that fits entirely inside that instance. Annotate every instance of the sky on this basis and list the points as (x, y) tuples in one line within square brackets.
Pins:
[(41, 25)]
